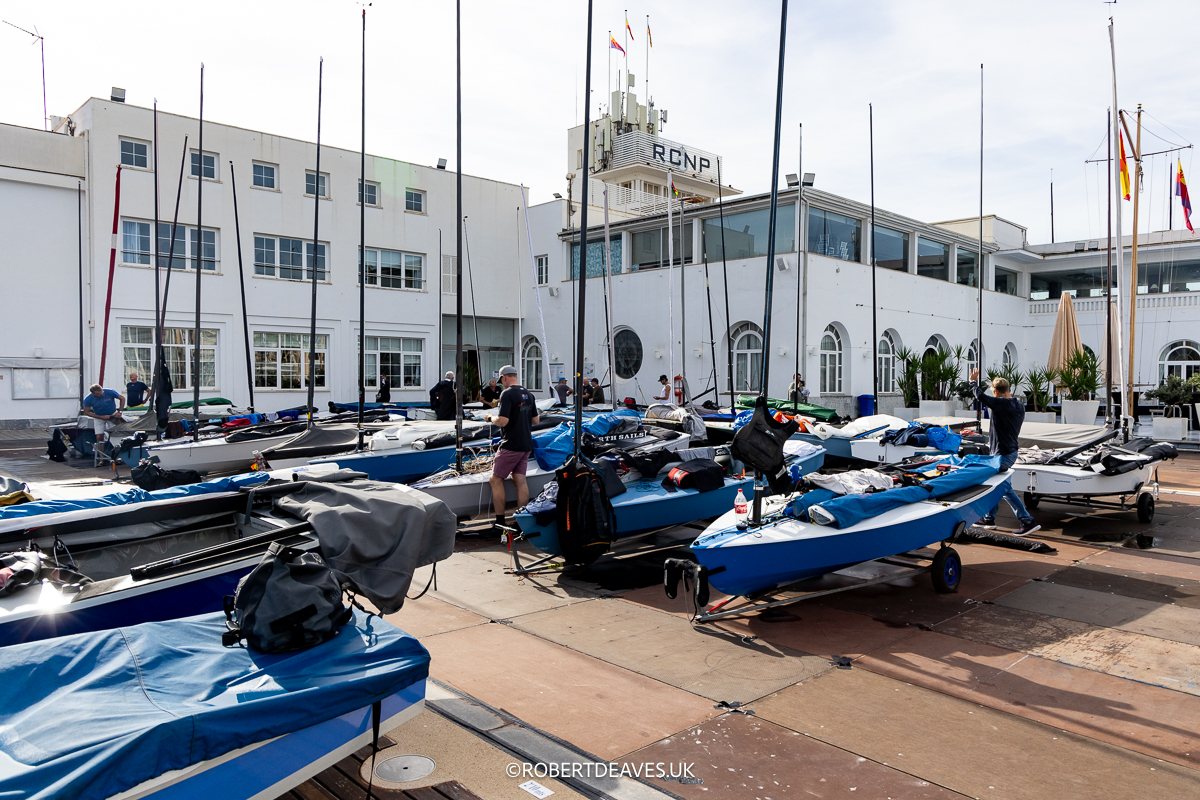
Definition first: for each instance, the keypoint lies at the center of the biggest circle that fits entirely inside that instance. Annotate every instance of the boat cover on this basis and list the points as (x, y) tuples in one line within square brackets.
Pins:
[(806, 409), (601, 424), (1034, 434), (230, 484), (375, 534), (268, 431), (842, 512), (103, 712), (319, 440)]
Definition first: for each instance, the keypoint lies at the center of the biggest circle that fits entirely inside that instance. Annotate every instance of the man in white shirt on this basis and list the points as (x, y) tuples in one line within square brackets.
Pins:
[(664, 394)]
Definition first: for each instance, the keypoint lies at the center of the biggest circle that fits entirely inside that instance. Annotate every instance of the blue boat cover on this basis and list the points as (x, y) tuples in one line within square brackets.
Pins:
[(552, 448), (601, 424), (850, 509), (229, 484), (102, 712)]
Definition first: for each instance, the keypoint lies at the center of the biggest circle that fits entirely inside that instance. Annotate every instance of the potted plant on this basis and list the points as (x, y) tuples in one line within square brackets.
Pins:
[(966, 396), (1039, 381), (1175, 395), (1193, 383), (939, 374), (1080, 380), (907, 384)]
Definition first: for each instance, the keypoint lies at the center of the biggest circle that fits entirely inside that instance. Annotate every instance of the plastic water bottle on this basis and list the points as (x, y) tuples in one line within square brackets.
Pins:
[(741, 508)]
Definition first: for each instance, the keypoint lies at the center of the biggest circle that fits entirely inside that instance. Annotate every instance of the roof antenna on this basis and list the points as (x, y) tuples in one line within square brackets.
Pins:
[(39, 39)]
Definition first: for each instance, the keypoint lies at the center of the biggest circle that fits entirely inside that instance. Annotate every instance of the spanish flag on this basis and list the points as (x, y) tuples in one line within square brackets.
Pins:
[(1182, 193), (612, 43), (1124, 167), (628, 28)]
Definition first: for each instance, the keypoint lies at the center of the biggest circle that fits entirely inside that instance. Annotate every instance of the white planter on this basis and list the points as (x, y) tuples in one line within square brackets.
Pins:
[(908, 414), (1080, 412), (1041, 416), (965, 413), (938, 408), (1172, 429)]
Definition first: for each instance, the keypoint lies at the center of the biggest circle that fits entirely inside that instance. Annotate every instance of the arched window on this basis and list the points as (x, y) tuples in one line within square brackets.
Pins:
[(932, 345), (1009, 357), (1180, 358), (886, 355), (831, 361), (627, 352), (973, 357), (747, 357), (532, 365)]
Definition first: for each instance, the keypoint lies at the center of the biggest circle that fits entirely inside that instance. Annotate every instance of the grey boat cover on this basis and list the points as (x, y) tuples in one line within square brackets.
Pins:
[(324, 440), (1035, 434), (374, 534)]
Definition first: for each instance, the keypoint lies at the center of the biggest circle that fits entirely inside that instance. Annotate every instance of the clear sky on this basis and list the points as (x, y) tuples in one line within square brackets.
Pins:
[(713, 66)]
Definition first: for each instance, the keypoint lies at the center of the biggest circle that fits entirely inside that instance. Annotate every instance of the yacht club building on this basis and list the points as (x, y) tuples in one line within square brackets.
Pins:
[(677, 263)]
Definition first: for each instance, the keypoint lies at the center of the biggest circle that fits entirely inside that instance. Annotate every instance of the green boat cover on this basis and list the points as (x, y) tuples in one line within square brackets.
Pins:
[(204, 401), (807, 409)]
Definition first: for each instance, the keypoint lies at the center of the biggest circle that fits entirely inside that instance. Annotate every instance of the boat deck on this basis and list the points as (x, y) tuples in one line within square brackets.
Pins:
[(343, 781), (1073, 674)]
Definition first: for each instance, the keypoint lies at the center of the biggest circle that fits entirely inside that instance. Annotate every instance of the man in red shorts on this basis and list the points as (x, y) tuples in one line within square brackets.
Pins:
[(517, 414)]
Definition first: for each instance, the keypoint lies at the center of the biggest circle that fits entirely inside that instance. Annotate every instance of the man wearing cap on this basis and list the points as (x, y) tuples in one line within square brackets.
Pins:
[(517, 414)]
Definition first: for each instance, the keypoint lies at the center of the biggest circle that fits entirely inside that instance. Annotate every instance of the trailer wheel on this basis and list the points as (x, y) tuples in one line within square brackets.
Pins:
[(946, 571), (1145, 507), (1031, 500)]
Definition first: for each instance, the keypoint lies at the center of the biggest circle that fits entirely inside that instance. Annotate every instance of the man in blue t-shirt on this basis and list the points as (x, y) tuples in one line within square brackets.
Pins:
[(135, 390), (102, 404), (1007, 415)]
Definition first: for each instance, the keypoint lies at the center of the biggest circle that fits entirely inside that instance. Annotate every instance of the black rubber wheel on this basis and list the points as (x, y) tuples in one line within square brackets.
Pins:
[(946, 571), (1145, 507), (1031, 500)]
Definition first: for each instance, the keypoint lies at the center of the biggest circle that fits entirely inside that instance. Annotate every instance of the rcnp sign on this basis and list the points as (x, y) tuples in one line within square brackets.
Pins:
[(639, 147), (679, 158)]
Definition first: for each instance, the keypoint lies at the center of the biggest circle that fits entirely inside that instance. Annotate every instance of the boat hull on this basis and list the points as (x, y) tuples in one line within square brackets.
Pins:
[(1048, 480), (207, 455), (396, 466), (788, 550)]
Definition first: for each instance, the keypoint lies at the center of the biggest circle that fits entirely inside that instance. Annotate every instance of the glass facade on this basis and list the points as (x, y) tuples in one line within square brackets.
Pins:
[(966, 260), (1153, 278), (1005, 281), (648, 250), (834, 235), (891, 249), (933, 259), (746, 233)]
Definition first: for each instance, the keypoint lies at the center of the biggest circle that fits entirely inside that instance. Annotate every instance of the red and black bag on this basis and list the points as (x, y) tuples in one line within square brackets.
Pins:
[(701, 474)]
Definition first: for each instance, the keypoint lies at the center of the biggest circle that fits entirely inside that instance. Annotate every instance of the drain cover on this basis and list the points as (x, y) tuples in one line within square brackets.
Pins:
[(399, 768)]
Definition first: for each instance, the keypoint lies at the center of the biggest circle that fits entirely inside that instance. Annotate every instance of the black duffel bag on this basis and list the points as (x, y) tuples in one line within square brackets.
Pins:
[(150, 476), (585, 519)]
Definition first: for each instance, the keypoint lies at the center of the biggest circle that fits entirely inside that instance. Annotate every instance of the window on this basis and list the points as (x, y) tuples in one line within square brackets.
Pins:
[(648, 251), (833, 235), (973, 357), (831, 361), (291, 259), (1176, 276), (135, 242), (627, 353), (396, 358), (578, 159), (746, 233), (210, 165), (1075, 282), (932, 345), (891, 249), (933, 259), (394, 270), (41, 384), (886, 356), (281, 360), (532, 365), (308, 261), (311, 184), (414, 200), (1180, 358), (1005, 281), (543, 270), (264, 176), (372, 193), (449, 275), (207, 245), (174, 256), (966, 266), (134, 154), (264, 255), (596, 254), (1009, 357), (747, 357), (138, 351)]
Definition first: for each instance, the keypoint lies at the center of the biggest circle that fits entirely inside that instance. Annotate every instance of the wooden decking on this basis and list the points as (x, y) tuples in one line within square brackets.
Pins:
[(343, 781)]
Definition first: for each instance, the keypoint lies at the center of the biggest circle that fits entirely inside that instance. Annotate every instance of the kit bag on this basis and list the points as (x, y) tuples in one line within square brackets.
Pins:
[(584, 513), (290, 601), (150, 476), (759, 444), (701, 474)]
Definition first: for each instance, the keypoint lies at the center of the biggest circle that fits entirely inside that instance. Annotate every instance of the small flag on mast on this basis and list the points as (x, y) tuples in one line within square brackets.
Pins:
[(1182, 193), (614, 45), (649, 38), (674, 191), (1124, 168), (629, 29)]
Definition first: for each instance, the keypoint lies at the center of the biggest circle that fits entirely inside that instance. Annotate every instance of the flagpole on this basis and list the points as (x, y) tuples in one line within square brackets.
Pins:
[(979, 258), (647, 78), (583, 215), (670, 279), (1120, 246), (626, 37), (1170, 195), (610, 41), (1108, 332), (874, 305)]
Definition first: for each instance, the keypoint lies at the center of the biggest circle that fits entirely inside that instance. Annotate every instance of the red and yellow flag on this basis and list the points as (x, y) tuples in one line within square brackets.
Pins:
[(649, 38), (629, 29), (1182, 192), (1124, 167), (614, 45)]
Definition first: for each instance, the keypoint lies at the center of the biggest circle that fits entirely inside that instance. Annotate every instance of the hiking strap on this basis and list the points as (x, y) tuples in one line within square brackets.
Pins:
[(376, 712), (432, 582)]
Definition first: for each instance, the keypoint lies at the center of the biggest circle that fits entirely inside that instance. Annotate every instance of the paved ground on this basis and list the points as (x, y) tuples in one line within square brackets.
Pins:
[(1072, 675)]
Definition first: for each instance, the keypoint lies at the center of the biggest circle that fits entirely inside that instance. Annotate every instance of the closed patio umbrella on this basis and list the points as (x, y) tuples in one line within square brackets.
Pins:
[(1066, 339)]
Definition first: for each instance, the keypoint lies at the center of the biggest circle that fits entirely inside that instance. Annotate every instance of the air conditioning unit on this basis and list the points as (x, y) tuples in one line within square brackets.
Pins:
[(554, 291)]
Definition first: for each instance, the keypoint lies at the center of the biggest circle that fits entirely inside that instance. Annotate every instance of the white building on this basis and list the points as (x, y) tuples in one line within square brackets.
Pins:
[(925, 279)]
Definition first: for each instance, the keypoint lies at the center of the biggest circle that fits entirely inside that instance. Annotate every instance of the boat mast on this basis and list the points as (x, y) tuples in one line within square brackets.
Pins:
[(766, 361), (79, 202), (725, 282), (362, 254), (199, 269), (312, 323), (1133, 263), (1115, 164), (583, 214), (162, 321), (157, 334), (874, 304), (979, 255), (536, 293), (800, 216), (237, 228), (609, 312), (458, 305), (1108, 286)]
